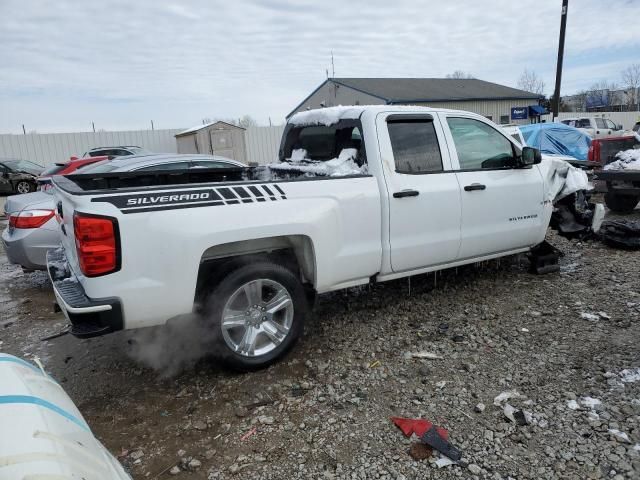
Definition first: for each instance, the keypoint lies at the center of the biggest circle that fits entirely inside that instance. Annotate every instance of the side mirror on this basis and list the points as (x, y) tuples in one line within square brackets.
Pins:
[(619, 126), (73, 157), (530, 156)]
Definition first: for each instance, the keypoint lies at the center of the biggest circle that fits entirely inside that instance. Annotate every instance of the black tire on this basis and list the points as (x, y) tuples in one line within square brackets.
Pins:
[(24, 186), (620, 203), (222, 292)]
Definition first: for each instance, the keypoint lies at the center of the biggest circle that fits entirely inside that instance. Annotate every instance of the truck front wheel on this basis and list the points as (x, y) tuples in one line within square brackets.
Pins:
[(257, 312), (620, 203)]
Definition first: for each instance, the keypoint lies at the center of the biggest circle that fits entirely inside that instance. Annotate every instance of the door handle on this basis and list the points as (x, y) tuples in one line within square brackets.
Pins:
[(406, 193), (474, 186)]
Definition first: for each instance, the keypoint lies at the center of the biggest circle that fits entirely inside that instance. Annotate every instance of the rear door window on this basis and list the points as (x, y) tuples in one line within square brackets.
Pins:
[(415, 146), (583, 123)]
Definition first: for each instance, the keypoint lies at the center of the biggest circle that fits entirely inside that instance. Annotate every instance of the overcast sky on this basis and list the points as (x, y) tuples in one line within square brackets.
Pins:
[(66, 63)]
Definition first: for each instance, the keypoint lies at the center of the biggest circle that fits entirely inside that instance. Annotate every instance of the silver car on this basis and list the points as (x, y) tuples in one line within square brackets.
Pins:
[(33, 228)]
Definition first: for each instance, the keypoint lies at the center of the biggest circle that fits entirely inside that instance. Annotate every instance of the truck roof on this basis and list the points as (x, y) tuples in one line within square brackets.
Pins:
[(331, 115)]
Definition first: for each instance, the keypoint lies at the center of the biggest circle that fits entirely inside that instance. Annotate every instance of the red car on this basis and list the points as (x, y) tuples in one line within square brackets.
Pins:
[(44, 180)]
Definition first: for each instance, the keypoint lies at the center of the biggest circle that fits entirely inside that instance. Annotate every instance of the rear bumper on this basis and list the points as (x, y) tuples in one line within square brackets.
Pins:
[(28, 247), (89, 317)]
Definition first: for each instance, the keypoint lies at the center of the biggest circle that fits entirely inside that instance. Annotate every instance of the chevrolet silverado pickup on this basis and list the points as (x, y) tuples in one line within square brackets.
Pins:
[(361, 194)]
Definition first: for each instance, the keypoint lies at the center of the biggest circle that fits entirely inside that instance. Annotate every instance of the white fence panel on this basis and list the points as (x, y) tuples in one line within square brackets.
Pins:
[(627, 119), (48, 148), (263, 144)]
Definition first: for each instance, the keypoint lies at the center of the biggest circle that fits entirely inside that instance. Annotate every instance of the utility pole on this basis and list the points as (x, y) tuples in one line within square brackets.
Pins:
[(93, 125), (152, 125), (24, 130), (333, 68), (563, 27)]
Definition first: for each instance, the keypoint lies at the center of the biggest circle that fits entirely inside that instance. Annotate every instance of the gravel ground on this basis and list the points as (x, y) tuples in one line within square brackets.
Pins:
[(566, 343)]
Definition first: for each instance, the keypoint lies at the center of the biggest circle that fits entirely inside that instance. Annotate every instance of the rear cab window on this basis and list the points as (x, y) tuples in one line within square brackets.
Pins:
[(600, 123), (328, 150)]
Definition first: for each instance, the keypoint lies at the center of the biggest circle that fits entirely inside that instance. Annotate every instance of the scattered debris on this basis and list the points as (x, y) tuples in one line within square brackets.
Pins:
[(375, 364), (479, 408), (266, 420), (619, 436), (630, 375), (572, 405), (59, 334), (440, 385), (525, 330), (504, 396), (175, 470), (517, 416), (423, 355), (590, 317), (432, 436), (248, 434), (444, 462), (623, 234), (543, 258)]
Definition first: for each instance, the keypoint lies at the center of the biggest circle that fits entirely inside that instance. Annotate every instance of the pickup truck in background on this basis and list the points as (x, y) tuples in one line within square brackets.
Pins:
[(595, 127), (362, 194), (621, 188)]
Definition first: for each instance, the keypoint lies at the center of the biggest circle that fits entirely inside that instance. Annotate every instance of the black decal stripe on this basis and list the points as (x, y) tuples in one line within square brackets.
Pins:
[(241, 192), (277, 187), (256, 192), (267, 189), (171, 207), (227, 193)]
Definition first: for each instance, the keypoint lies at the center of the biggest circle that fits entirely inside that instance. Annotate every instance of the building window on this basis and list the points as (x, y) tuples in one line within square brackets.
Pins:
[(504, 119)]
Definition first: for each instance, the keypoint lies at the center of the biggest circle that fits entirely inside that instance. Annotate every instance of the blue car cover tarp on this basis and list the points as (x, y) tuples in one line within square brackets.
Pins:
[(557, 138)]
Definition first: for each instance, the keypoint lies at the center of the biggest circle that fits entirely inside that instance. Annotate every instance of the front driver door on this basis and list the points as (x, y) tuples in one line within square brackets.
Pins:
[(501, 205)]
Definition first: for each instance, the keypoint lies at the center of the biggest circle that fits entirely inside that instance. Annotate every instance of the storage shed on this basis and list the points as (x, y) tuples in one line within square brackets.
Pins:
[(216, 138)]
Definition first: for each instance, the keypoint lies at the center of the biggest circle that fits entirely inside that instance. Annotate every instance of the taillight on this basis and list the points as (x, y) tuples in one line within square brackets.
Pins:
[(96, 243), (30, 218), (594, 152)]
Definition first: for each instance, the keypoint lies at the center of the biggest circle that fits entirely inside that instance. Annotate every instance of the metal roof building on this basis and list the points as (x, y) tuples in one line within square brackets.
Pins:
[(492, 100)]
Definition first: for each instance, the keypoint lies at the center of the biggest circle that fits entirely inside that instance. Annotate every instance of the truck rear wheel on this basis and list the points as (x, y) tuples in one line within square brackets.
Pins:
[(257, 312), (620, 203)]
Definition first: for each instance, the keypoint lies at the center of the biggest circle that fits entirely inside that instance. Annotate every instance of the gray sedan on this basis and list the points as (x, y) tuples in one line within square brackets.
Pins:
[(33, 228)]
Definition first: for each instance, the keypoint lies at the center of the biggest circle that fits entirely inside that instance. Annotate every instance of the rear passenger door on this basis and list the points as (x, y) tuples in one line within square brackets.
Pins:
[(501, 204), (423, 191)]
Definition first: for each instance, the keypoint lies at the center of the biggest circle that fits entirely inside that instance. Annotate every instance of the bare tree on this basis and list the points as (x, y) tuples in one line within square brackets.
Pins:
[(459, 74), (247, 121), (529, 81), (599, 93), (631, 80)]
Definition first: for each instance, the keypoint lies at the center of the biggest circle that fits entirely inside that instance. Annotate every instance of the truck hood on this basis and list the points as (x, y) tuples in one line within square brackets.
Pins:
[(30, 201)]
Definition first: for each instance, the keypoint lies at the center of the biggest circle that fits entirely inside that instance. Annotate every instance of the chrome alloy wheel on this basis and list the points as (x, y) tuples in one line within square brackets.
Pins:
[(257, 317), (23, 187)]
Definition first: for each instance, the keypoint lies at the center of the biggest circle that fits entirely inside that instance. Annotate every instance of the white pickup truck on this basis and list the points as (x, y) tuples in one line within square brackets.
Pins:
[(595, 127), (363, 194)]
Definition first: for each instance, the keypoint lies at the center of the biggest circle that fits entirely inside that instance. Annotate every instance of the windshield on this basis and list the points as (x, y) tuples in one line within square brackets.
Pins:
[(53, 169), (23, 166)]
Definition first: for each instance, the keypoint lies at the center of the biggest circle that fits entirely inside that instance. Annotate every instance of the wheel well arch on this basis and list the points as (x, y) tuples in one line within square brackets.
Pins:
[(296, 252)]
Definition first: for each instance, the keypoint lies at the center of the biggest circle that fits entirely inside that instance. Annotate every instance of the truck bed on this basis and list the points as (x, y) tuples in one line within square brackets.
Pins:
[(88, 184)]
